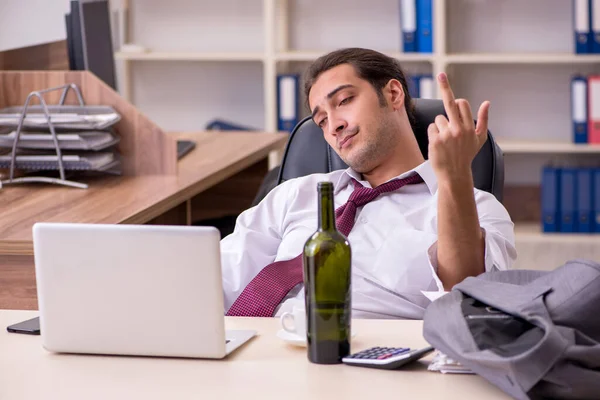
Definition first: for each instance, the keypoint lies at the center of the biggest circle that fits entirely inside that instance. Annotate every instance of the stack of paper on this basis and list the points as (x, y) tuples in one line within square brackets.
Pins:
[(62, 117), (88, 162), (92, 140), (444, 364), (83, 134)]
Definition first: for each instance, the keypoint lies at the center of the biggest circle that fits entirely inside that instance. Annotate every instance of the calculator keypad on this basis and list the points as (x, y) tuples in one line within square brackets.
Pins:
[(379, 353)]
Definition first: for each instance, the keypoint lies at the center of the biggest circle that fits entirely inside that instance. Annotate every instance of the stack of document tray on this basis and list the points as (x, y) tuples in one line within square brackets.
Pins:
[(84, 135)]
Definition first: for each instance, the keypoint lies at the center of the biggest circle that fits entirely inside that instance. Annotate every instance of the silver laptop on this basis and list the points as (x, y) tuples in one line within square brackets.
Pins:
[(132, 290)]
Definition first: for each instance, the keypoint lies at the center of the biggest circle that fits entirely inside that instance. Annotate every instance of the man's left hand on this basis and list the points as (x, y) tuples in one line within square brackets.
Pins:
[(455, 141)]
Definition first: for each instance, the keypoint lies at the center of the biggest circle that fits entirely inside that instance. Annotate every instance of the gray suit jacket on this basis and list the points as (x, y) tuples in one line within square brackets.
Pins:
[(534, 334)]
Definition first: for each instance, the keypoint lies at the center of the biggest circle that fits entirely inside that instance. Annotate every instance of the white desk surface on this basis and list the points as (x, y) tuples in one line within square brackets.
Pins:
[(264, 368)]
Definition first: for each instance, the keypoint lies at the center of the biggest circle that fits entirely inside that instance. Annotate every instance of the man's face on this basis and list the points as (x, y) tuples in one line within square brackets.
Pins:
[(354, 123)]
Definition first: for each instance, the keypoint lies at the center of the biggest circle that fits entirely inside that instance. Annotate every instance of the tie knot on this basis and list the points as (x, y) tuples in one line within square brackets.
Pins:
[(363, 195)]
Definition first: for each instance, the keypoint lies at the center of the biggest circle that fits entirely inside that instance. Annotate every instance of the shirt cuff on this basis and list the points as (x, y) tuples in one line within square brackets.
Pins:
[(432, 256)]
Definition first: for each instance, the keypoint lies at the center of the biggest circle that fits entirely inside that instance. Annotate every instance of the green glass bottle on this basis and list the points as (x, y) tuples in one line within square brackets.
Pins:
[(327, 278)]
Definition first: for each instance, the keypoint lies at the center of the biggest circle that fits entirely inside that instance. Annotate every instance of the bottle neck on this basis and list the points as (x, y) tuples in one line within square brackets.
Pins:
[(326, 212)]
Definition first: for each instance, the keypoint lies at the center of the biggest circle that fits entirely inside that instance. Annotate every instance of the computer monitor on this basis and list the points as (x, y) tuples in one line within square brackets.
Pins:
[(89, 39)]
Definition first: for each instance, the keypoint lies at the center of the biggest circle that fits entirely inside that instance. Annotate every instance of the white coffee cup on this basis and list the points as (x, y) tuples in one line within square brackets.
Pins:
[(294, 321)]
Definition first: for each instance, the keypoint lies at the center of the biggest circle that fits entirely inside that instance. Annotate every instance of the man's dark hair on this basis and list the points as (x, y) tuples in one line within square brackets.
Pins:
[(370, 65)]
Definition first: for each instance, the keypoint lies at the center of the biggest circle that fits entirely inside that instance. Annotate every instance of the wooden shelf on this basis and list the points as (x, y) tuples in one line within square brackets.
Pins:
[(512, 146), (531, 232), (516, 58), (189, 56), (313, 55)]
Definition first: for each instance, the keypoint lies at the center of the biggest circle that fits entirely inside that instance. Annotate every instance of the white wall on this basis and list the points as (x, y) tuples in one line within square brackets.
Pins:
[(184, 96), (496, 26), (197, 25), (330, 24), (30, 22)]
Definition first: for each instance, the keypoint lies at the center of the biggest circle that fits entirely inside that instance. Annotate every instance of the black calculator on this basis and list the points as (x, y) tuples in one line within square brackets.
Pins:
[(386, 357)]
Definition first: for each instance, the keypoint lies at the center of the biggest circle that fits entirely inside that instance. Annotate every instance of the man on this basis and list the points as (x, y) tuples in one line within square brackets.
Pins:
[(427, 235)]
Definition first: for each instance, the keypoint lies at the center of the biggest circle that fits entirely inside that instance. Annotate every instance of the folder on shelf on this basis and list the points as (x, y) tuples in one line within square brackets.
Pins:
[(549, 200), (568, 199), (596, 199), (412, 82), (90, 140), (581, 25), (594, 109), (595, 26), (426, 87), (287, 101), (584, 200), (424, 26), (222, 125), (579, 114), (408, 25)]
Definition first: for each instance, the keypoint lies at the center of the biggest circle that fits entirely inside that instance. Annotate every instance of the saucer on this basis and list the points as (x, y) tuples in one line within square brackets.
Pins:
[(294, 339), (291, 338)]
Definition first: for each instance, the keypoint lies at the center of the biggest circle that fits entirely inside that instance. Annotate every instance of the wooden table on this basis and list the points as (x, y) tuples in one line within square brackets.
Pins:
[(219, 177), (264, 368)]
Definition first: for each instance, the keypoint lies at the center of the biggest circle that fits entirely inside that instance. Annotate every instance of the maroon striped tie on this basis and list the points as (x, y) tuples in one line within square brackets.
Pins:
[(263, 294)]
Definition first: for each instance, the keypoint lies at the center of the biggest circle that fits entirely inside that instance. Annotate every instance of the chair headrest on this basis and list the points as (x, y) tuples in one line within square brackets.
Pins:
[(425, 111), (307, 151)]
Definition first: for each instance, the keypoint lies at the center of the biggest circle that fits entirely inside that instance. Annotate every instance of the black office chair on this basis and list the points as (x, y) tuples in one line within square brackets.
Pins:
[(307, 152)]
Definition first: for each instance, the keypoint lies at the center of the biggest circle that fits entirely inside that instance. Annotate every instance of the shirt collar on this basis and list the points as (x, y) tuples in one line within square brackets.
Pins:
[(424, 169)]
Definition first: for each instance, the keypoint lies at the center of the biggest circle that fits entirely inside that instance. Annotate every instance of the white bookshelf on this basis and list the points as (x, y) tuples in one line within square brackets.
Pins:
[(517, 58), (307, 55), (221, 59), (546, 251), (532, 233), (280, 32), (188, 56), (542, 147)]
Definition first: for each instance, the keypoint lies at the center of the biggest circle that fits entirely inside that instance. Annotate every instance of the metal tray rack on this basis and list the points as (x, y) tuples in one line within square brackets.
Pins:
[(46, 110)]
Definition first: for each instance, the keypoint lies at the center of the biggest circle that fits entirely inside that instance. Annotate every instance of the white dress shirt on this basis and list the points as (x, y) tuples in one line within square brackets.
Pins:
[(393, 241)]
